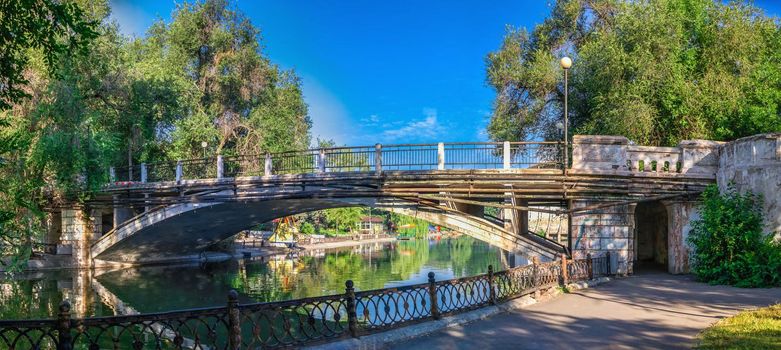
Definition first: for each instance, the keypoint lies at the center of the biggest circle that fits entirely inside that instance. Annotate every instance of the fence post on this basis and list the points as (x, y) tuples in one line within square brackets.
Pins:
[(234, 321), (267, 165), (352, 314), (143, 172), (220, 167), (590, 265), (491, 290), (64, 327), (178, 170), (321, 161), (112, 174), (441, 156), (535, 275), (432, 293), (608, 269), (506, 155), (378, 159), (564, 270)]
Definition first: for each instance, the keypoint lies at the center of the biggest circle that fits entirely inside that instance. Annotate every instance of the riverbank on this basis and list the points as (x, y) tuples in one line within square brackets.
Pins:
[(64, 262), (346, 243)]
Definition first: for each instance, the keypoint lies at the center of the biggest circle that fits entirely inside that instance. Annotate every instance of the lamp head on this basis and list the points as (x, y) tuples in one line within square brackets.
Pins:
[(204, 144), (565, 62)]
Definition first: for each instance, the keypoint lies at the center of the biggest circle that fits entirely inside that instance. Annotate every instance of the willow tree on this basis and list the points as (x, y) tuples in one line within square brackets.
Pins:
[(656, 71)]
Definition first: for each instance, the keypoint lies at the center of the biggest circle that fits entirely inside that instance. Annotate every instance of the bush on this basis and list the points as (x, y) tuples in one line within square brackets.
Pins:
[(307, 228), (729, 245)]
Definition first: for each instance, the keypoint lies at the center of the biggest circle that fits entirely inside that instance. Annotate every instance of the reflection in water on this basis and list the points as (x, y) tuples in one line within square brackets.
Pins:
[(304, 274)]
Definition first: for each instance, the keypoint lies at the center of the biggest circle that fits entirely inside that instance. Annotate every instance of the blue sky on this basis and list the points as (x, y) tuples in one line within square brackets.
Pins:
[(382, 71)]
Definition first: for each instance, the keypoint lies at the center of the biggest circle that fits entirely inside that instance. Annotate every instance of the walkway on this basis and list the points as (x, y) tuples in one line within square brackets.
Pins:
[(648, 311)]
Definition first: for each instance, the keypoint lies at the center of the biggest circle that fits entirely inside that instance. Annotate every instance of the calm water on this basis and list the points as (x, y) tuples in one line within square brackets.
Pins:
[(310, 273)]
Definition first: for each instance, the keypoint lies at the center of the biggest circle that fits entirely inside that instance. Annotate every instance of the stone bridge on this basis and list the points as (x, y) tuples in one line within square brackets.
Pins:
[(633, 201)]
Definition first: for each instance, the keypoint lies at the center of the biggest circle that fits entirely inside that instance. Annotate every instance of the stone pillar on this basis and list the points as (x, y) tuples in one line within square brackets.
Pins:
[(121, 214), (604, 230), (700, 157), (96, 219), (53, 227), (76, 232), (680, 215), (516, 220)]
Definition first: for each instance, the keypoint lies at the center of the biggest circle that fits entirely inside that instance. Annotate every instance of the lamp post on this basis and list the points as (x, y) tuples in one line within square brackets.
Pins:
[(566, 63), (204, 145)]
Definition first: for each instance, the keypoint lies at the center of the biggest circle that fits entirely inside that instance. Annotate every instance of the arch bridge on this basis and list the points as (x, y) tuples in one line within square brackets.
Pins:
[(154, 212)]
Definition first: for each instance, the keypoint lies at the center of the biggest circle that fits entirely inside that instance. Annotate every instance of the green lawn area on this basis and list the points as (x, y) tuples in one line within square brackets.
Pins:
[(753, 329)]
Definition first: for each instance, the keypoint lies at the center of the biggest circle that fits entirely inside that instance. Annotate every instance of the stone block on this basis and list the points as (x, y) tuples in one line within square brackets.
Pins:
[(614, 244)]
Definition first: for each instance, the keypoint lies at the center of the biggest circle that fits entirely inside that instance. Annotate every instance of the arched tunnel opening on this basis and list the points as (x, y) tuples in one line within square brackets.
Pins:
[(651, 225)]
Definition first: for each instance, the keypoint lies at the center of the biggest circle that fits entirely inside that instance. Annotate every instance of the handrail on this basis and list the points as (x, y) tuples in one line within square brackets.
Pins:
[(422, 156), (297, 322)]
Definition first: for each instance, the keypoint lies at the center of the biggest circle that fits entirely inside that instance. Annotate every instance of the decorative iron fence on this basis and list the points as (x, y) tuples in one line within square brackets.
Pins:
[(378, 158), (296, 322)]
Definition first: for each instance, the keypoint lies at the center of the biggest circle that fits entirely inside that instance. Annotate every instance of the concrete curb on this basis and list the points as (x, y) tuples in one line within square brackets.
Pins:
[(381, 340)]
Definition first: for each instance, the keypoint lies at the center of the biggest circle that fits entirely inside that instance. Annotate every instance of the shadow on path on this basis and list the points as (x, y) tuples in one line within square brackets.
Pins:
[(647, 311)]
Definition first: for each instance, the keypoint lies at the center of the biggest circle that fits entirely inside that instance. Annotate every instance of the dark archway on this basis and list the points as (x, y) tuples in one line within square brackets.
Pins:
[(650, 236)]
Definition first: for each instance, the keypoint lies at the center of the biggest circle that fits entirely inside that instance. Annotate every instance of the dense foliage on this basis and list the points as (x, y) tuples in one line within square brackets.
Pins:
[(93, 98), (655, 71), (729, 245), (53, 27)]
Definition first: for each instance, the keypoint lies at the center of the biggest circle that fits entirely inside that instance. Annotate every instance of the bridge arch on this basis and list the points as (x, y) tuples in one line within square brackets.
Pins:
[(174, 231)]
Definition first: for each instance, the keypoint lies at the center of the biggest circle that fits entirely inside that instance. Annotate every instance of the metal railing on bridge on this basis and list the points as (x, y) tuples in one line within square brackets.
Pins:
[(378, 158), (297, 322)]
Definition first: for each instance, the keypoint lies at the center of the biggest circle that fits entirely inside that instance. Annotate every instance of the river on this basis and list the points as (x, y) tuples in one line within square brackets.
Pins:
[(282, 277)]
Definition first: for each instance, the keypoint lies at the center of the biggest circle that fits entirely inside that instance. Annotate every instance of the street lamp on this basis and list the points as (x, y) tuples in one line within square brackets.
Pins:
[(560, 129), (566, 63), (203, 145)]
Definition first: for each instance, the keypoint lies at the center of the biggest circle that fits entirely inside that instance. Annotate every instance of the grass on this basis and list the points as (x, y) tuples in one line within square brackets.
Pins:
[(753, 329)]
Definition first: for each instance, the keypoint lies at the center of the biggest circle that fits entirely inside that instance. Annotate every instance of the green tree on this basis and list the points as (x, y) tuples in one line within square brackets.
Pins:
[(242, 103), (729, 245), (344, 219), (52, 28), (654, 71), (96, 98), (45, 135)]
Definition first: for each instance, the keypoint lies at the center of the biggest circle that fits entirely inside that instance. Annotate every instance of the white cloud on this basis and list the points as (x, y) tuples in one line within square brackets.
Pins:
[(372, 120), (425, 129)]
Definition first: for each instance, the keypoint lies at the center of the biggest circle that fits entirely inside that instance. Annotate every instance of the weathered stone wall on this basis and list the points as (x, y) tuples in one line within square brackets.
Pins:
[(680, 216), (605, 230), (615, 155), (754, 163), (599, 154)]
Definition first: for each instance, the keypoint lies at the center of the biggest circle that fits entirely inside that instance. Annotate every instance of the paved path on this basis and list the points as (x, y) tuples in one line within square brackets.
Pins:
[(647, 311)]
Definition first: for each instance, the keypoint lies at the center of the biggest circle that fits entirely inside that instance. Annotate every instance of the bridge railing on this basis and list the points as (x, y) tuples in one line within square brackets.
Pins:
[(296, 322), (377, 158)]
